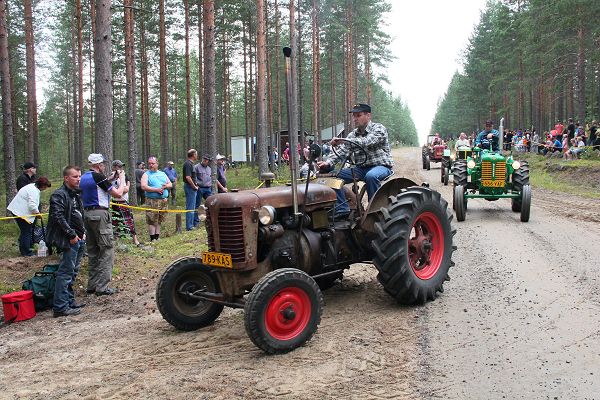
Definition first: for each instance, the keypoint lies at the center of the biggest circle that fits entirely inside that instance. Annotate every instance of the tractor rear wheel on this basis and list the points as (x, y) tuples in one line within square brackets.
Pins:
[(182, 278), (460, 203), (525, 203), (413, 245), (283, 310), (520, 178)]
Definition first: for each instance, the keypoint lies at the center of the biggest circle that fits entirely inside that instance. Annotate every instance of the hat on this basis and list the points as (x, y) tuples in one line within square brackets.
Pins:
[(117, 163), (43, 181), (96, 158), (360, 107), (206, 157), (28, 165), (171, 163), (220, 157)]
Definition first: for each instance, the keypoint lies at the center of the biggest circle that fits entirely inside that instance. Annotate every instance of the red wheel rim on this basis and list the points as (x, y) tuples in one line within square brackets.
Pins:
[(288, 313), (426, 245)]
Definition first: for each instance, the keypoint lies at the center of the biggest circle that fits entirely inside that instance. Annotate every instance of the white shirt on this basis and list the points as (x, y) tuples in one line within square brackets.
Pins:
[(462, 143), (26, 202)]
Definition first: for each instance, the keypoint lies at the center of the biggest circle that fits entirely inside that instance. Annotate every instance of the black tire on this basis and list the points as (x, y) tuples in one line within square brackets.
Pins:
[(525, 203), (460, 173), (460, 203), (520, 178), (409, 274), (446, 176), (424, 152), (427, 163), (184, 313), (267, 325)]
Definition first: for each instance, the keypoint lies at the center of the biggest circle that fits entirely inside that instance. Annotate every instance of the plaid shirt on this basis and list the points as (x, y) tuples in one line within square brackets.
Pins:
[(375, 142)]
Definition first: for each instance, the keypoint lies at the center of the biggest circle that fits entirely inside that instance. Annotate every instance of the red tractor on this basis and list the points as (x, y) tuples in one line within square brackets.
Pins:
[(433, 151)]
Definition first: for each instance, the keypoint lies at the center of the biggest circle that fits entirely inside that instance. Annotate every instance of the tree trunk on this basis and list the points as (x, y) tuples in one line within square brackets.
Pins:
[(277, 77), (145, 117), (261, 88), (188, 90), (7, 128), (32, 118), (316, 65), (91, 75), (74, 96), (103, 80), (293, 106), (298, 81), (80, 101), (209, 80), (164, 123), (129, 27), (581, 74), (201, 95)]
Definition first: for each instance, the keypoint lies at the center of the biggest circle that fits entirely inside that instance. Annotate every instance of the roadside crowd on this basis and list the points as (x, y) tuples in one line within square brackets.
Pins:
[(91, 208)]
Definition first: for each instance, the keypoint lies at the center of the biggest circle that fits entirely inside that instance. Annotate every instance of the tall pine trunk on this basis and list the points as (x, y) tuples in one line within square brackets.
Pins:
[(164, 110), (103, 80), (80, 101), (130, 94), (261, 88), (7, 127), (32, 118), (208, 18), (188, 94)]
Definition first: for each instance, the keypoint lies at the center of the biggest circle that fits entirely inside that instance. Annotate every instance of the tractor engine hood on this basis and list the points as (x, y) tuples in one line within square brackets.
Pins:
[(279, 197), (492, 156)]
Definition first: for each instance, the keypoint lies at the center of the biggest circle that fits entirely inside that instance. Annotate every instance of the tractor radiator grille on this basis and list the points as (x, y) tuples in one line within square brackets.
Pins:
[(491, 171), (231, 233)]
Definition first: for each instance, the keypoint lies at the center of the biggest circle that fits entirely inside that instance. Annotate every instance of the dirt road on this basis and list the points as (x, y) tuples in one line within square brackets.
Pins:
[(519, 319)]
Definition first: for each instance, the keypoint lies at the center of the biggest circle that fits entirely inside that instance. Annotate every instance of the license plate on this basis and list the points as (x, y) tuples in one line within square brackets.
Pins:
[(217, 259), (489, 183)]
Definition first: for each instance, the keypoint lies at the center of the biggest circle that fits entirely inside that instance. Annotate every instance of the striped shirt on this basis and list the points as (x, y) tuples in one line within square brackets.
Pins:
[(375, 142)]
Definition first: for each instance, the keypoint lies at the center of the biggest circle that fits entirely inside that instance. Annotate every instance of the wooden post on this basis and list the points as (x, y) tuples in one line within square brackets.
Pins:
[(178, 223)]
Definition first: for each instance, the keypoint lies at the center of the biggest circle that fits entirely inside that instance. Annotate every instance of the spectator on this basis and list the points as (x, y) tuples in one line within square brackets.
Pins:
[(558, 128), (28, 176), (122, 218), (535, 142), (190, 188), (66, 231), (139, 171), (156, 185), (204, 183), (172, 175), (286, 153), (221, 178), (96, 190), (24, 205), (571, 129), (565, 146), (577, 148)]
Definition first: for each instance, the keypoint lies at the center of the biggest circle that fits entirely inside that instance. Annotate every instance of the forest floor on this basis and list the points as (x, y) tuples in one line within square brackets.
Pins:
[(518, 320)]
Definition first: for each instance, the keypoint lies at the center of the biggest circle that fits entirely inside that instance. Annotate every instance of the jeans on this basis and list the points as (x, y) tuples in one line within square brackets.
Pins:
[(26, 237), (70, 262), (203, 193), (372, 177), (190, 204)]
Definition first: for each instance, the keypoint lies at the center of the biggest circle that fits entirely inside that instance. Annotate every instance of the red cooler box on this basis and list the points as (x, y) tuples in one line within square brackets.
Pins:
[(18, 306)]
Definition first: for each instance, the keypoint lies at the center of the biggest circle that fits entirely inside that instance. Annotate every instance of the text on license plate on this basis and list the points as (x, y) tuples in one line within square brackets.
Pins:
[(217, 259), (489, 183)]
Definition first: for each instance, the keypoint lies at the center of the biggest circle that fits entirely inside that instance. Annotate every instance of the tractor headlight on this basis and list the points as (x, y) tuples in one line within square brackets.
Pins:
[(516, 165), (471, 164), (201, 213), (266, 215)]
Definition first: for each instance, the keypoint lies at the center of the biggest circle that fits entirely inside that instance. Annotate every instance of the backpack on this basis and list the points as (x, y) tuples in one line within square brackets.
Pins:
[(42, 284)]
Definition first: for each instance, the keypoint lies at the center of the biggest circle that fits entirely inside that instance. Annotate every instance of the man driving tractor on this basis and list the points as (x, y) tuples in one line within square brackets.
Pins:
[(488, 136), (368, 140)]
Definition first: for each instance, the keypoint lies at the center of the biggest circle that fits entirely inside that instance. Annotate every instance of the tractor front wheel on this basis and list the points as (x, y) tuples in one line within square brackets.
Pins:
[(460, 203), (525, 203), (173, 295), (413, 248), (520, 178), (283, 310)]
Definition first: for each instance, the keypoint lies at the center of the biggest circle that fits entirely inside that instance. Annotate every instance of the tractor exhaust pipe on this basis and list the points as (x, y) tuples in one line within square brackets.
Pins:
[(501, 135), (292, 128)]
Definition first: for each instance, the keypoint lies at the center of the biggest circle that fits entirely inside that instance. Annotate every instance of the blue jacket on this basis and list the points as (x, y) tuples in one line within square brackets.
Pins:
[(482, 137)]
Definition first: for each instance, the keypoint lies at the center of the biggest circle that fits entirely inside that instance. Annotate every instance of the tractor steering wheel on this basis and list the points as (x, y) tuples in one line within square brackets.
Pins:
[(357, 155)]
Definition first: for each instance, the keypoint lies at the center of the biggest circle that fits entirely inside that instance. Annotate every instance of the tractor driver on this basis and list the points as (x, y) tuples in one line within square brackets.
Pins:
[(487, 136), (373, 138)]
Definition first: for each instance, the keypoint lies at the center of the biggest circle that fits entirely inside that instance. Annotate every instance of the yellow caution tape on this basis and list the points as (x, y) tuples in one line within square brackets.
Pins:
[(22, 216), (150, 209)]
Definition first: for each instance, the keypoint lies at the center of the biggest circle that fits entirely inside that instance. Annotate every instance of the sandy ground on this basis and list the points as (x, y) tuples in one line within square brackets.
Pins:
[(519, 319)]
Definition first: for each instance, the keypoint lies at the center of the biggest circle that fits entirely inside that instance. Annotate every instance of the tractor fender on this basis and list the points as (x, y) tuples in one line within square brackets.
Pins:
[(390, 187)]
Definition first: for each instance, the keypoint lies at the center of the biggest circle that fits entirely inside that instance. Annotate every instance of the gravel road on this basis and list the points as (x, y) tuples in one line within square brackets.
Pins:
[(519, 319)]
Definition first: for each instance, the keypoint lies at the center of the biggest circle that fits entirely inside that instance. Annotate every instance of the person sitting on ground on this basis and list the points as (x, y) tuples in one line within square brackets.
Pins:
[(373, 138), (462, 142), (577, 148), (24, 205), (122, 217), (489, 137), (28, 176)]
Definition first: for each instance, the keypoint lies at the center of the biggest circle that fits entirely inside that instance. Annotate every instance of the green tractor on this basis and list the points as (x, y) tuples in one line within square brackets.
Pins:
[(491, 175)]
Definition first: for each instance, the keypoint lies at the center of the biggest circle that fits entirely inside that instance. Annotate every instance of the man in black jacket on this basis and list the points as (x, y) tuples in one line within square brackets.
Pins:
[(66, 231)]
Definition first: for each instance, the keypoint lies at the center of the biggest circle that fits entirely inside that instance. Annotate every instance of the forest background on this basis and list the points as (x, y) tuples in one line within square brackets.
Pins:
[(155, 77)]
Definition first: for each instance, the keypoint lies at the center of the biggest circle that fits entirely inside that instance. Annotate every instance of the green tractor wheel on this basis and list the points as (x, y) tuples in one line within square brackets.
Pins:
[(525, 203), (460, 203), (520, 178)]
